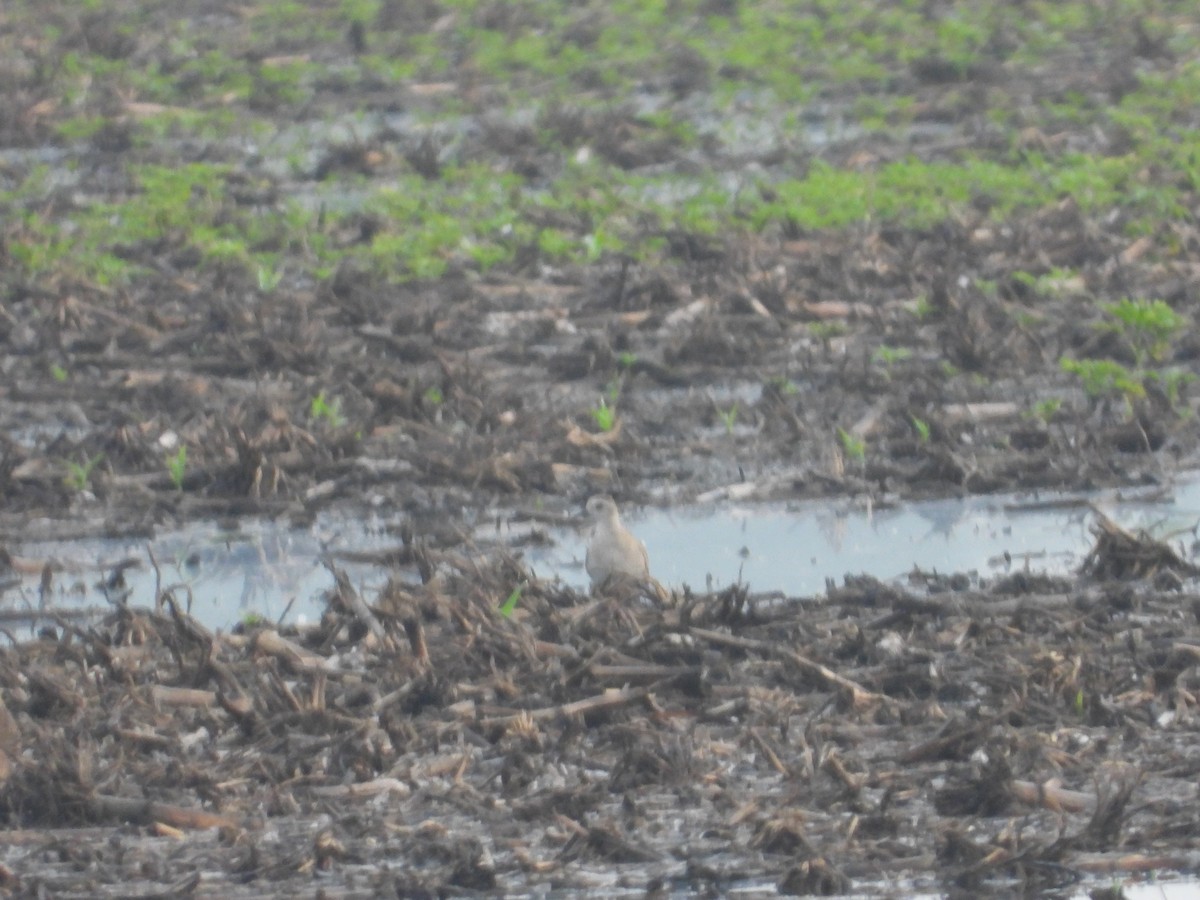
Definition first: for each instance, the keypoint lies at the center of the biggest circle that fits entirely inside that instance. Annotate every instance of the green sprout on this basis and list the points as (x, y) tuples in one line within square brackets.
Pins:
[(923, 308), (1055, 283), (784, 385), (729, 418), (1172, 381), (177, 466), (328, 409), (268, 279), (1102, 377), (604, 415), (1046, 410), (510, 604), (854, 447), (890, 355), (79, 475), (626, 360), (1149, 325), (922, 428), (433, 396), (58, 373), (826, 331)]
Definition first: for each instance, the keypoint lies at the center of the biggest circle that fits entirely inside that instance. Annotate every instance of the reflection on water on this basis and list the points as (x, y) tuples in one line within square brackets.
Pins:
[(794, 548), (1166, 890), (275, 572)]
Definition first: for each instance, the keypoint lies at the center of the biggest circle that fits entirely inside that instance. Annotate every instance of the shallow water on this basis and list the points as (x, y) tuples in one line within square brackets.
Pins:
[(273, 571), (1167, 890), (794, 548)]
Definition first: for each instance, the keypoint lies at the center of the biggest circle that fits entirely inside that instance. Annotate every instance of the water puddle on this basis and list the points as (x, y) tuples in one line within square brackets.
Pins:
[(268, 570), (795, 548), (222, 575), (1165, 890)]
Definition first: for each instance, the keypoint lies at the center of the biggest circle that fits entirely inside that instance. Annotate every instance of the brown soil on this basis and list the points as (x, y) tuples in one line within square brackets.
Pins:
[(418, 743)]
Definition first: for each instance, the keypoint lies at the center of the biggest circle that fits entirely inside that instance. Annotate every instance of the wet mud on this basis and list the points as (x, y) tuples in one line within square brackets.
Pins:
[(1022, 733)]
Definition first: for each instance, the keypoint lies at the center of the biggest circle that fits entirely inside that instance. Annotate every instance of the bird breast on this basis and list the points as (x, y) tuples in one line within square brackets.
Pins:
[(614, 551)]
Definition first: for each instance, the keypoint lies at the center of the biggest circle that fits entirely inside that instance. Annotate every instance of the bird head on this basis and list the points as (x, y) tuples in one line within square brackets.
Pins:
[(601, 507)]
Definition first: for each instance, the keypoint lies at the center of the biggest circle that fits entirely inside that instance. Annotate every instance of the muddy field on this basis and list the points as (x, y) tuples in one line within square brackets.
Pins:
[(944, 736)]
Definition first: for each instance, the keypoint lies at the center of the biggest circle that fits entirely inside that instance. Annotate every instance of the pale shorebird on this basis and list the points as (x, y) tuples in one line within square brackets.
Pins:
[(614, 554)]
